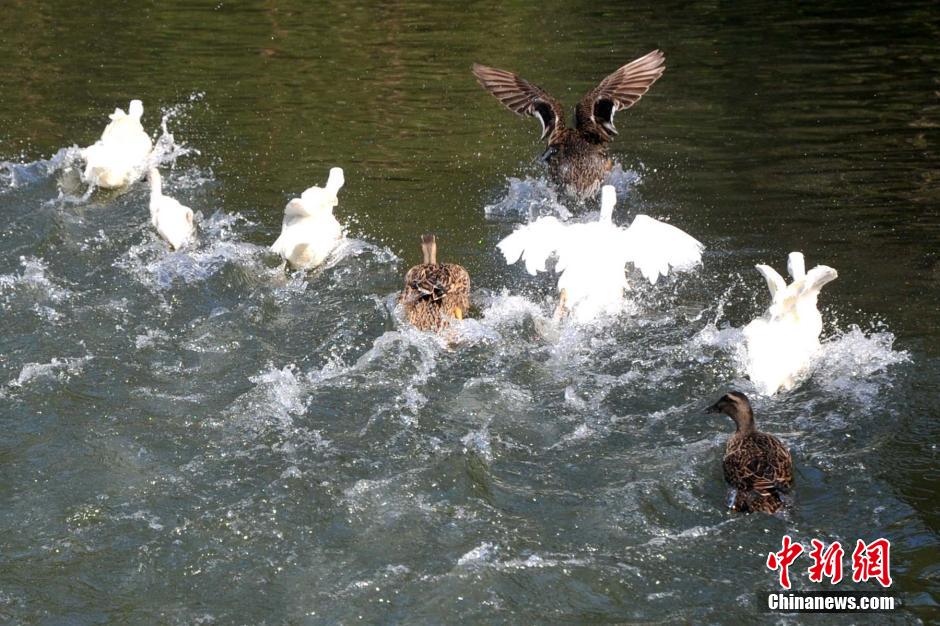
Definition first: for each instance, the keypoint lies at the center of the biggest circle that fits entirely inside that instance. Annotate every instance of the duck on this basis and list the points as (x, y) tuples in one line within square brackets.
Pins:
[(309, 231), (435, 292), (780, 344), (756, 465), (173, 220), (118, 157), (577, 158), (592, 256)]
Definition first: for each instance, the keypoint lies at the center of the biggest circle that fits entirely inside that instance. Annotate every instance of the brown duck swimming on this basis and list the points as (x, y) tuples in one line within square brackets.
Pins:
[(435, 291), (577, 157), (757, 465)]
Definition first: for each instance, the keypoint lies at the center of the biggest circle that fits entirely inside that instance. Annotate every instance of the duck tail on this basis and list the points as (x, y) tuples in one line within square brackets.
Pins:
[(796, 265), (136, 109), (429, 249), (336, 180)]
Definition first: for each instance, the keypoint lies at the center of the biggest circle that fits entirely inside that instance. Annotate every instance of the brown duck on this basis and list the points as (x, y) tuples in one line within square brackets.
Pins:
[(757, 465), (435, 291), (577, 157)]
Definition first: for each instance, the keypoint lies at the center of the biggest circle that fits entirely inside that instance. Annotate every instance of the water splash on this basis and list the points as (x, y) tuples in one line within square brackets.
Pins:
[(14, 175), (857, 364), (33, 278), (525, 200), (216, 246), (56, 369)]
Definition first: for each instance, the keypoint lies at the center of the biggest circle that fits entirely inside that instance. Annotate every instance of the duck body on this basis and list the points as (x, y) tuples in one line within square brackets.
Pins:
[(172, 220), (577, 165), (757, 466), (119, 156), (577, 157), (309, 231), (591, 256), (780, 344), (435, 292)]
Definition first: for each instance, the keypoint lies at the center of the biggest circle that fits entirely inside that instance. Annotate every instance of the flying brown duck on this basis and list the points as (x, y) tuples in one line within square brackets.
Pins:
[(757, 465), (577, 157), (435, 291)]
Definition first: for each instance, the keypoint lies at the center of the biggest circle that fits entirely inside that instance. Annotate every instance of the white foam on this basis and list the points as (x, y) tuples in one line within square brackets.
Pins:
[(478, 441), (33, 276), (481, 554), (283, 390), (56, 369), (855, 363)]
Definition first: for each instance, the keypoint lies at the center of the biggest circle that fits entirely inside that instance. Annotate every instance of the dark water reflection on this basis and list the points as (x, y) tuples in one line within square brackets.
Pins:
[(776, 127)]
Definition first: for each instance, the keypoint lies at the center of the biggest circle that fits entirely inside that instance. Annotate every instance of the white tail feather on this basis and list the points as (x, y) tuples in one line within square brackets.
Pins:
[(336, 180), (796, 265)]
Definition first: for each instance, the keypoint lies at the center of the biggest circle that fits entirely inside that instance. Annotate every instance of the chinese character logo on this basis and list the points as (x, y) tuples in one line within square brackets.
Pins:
[(826, 564), (869, 561), (872, 560), (782, 560)]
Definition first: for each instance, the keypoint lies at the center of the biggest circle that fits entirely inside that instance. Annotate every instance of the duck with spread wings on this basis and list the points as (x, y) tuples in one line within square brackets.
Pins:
[(577, 157)]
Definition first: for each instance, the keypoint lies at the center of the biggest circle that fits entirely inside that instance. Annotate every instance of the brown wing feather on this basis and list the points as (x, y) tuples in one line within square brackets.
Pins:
[(433, 293), (523, 98), (760, 468), (620, 90)]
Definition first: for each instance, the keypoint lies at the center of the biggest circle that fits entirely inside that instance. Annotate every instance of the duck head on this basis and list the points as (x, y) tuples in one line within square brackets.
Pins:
[(735, 405)]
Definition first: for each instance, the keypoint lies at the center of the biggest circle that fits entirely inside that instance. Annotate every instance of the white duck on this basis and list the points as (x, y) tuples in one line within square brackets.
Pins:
[(172, 220), (118, 158), (592, 255), (781, 343), (309, 232)]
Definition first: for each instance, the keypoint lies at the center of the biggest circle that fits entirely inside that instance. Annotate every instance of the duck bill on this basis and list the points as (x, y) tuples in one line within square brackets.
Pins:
[(713, 409)]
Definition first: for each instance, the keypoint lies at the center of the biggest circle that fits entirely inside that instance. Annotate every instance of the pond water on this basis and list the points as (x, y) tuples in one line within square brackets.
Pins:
[(202, 437)]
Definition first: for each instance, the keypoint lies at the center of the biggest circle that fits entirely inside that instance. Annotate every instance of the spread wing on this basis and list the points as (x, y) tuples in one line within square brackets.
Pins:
[(535, 243), (522, 97), (654, 247), (775, 282), (619, 90), (816, 278)]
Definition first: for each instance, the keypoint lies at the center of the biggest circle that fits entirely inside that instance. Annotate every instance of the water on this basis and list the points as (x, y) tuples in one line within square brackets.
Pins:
[(201, 437)]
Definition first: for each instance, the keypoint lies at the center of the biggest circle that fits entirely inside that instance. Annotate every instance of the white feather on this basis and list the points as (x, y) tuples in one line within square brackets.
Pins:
[(309, 231), (781, 343), (591, 256), (118, 158)]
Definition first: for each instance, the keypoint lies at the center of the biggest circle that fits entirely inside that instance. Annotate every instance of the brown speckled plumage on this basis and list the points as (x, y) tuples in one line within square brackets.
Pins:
[(577, 157), (435, 292), (756, 465)]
